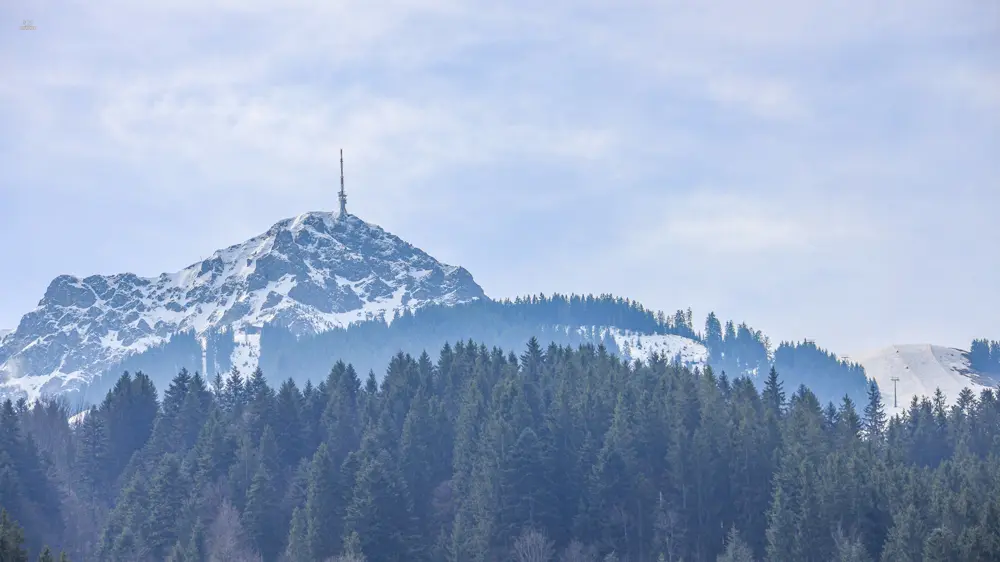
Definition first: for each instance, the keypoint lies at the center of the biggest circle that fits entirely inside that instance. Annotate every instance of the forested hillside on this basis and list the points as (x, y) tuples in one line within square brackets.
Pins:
[(369, 345), (564, 320), (557, 454)]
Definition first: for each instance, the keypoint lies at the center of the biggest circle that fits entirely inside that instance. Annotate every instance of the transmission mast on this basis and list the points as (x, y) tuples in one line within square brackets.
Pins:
[(894, 380), (342, 195)]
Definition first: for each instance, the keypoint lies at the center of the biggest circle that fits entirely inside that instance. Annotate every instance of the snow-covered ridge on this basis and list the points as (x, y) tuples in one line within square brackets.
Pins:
[(635, 346), (4, 333), (921, 369), (309, 274)]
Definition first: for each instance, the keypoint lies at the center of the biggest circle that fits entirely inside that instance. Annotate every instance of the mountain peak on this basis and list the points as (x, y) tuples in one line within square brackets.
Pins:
[(308, 273)]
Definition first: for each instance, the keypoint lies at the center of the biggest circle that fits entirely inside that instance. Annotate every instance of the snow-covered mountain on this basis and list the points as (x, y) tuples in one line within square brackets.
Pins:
[(307, 274), (920, 370), (4, 333)]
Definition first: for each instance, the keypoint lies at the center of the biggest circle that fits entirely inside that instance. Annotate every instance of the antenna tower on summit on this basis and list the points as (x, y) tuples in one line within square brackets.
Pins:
[(342, 194)]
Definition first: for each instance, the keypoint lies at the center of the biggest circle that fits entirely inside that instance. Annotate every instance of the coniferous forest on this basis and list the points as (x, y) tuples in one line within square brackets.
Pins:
[(984, 355), (557, 454)]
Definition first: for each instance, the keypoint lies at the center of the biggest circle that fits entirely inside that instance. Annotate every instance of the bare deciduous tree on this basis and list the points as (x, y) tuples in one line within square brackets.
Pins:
[(352, 550), (668, 532), (226, 538), (533, 546), (849, 548)]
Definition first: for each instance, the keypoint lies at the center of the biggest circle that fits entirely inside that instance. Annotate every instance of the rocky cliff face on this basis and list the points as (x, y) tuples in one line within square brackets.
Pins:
[(309, 274)]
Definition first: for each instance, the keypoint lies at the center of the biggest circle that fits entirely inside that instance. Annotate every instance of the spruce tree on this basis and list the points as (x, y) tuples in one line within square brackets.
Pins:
[(906, 538), (176, 392), (129, 410), (379, 512), (288, 425), (774, 393), (214, 451), (45, 556), (93, 459), (612, 483), (875, 418), (11, 540), (257, 384), (340, 421), (419, 461), (940, 546), (713, 338), (985, 536), (166, 498), (525, 487), (322, 521), (261, 407), (235, 394), (736, 549), (781, 543), (268, 454), (298, 549), (798, 527), (261, 518), (242, 470)]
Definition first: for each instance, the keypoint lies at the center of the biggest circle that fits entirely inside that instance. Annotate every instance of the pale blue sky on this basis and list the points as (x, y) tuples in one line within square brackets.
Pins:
[(822, 169)]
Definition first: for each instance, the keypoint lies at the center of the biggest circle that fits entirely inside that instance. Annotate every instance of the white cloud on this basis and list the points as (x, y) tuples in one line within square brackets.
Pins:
[(764, 98), (744, 225), (969, 83)]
